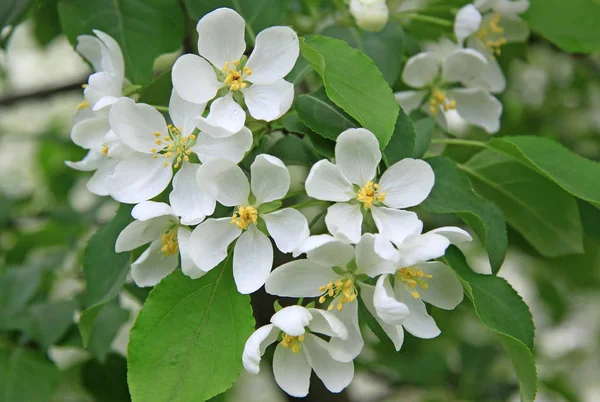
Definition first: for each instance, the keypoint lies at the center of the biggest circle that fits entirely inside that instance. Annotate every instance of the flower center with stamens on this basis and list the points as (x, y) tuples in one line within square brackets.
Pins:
[(105, 150), (173, 146), (491, 36), (344, 288), (370, 194), (234, 77), (293, 342), (438, 98), (413, 278), (244, 217), (169, 241)]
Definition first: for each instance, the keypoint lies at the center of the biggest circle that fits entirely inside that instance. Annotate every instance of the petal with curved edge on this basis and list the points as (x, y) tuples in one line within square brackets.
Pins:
[(478, 107), (269, 102), (299, 278), (332, 254), (224, 181), (138, 178), (444, 289), (97, 183), (396, 224), (194, 79), (152, 266), (418, 249), (335, 375), (313, 242), (221, 37), (327, 182), (138, 233), (467, 22), (357, 154), (421, 70), (184, 113), (464, 66), (344, 221), (187, 265), (407, 183), (515, 29), (326, 323), (112, 57), (394, 332), (187, 199), (252, 260), (101, 85), (288, 227), (345, 350), (387, 307), (419, 323), (147, 210), (292, 320), (225, 118), (136, 123), (233, 147), (269, 179), (368, 262), (385, 249), (454, 234), (91, 161), (291, 371), (274, 55), (492, 77), (89, 133), (256, 345), (90, 48), (209, 242), (410, 100)]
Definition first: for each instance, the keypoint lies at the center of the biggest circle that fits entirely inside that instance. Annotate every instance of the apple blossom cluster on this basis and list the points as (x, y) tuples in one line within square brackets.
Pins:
[(182, 170)]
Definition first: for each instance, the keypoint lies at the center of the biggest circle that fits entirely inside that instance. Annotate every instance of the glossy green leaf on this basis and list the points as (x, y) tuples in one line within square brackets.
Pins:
[(107, 381), (46, 25), (293, 150), (144, 29), (354, 83), (402, 143), (423, 132), (189, 338), (158, 93), (539, 209), (452, 193), (322, 145), (26, 376)]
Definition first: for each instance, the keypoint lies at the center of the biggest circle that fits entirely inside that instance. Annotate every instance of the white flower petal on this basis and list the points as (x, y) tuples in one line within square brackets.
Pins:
[(288, 227), (464, 66), (269, 102), (357, 154), (269, 179), (515, 29), (209, 242), (370, 15), (194, 79), (327, 182), (478, 107), (332, 254), (225, 181), (326, 323), (252, 260), (410, 100), (233, 147), (275, 52), (368, 261), (152, 266), (387, 307), (112, 57), (395, 224), (394, 332), (187, 265), (138, 178), (418, 249), (136, 123), (89, 134), (492, 78), (421, 69), (454, 234), (292, 320), (467, 22), (256, 345), (346, 350), (299, 278), (97, 183), (291, 371), (407, 183), (101, 85), (221, 37), (187, 199), (138, 233), (385, 249), (91, 161), (147, 210), (335, 375), (90, 48), (419, 323), (344, 221), (184, 113), (313, 242), (225, 118), (444, 288)]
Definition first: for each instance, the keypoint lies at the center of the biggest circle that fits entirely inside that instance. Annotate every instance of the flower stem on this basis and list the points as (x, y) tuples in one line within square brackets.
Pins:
[(308, 204), (425, 18), (162, 109), (294, 194), (455, 141)]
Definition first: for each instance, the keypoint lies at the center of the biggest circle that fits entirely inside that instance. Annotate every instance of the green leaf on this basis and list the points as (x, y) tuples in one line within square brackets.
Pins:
[(46, 323), (99, 326), (107, 381), (11, 11), (572, 25), (26, 376), (322, 116), (293, 150), (46, 25), (501, 309), (301, 69), (144, 29), (158, 93), (575, 174), (323, 146), (189, 338), (17, 287), (353, 82), (452, 193), (402, 143), (385, 48), (423, 131), (539, 209)]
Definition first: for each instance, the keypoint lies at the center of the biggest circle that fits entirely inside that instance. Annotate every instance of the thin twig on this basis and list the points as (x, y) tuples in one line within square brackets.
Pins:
[(42, 93)]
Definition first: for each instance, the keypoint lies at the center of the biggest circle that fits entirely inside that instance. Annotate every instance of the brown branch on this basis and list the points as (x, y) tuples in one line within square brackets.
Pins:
[(42, 93)]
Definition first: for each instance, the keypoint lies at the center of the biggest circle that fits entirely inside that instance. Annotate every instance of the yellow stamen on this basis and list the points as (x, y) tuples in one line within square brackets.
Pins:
[(438, 98), (293, 342), (491, 36), (169, 241), (244, 217), (105, 150), (342, 290), (83, 105), (370, 194), (413, 278)]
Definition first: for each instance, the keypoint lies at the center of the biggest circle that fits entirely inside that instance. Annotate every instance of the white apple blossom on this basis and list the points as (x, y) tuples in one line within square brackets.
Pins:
[(157, 224), (370, 15), (434, 74), (300, 351), (160, 147), (221, 46), (352, 183), (253, 252)]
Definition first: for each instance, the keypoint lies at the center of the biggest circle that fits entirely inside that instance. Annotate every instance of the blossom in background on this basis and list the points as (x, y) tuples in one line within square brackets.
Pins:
[(157, 224), (259, 79), (351, 183), (434, 75), (253, 252), (160, 147), (299, 351), (370, 15)]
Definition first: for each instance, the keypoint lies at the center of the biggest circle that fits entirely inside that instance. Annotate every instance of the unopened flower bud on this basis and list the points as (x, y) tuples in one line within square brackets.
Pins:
[(370, 15)]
